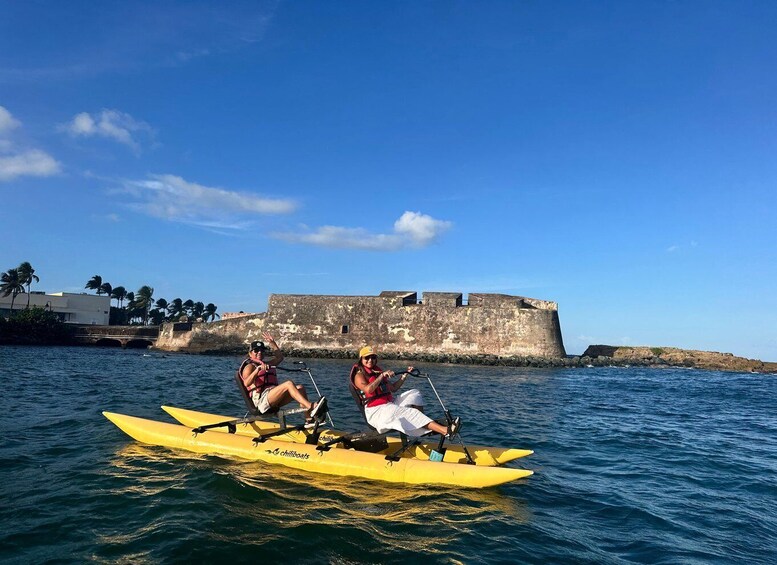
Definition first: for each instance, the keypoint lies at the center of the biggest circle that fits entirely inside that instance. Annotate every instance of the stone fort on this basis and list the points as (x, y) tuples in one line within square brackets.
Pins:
[(395, 322)]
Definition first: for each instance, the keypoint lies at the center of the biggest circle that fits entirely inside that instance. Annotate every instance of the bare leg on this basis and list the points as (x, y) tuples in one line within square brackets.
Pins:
[(286, 392), (303, 392), (435, 427)]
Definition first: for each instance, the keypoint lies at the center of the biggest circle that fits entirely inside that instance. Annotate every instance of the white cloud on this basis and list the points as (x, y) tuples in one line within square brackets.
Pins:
[(172, 198), (110, 124), (412, 229), (19, 162), (7, 121), (33, 163), (420, 228)]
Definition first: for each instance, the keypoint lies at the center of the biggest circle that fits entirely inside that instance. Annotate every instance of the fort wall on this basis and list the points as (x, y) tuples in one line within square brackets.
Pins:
[(396, 322)]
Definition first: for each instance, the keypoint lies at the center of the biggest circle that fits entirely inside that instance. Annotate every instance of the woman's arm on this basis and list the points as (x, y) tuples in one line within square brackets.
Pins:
[(277, 357), (396, 385), (368, 388), (250, 372)]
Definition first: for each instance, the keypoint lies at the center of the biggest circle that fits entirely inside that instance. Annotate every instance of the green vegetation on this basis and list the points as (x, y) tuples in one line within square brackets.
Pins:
[(11, 284), (657, 351), (140, 307), (28, 276), (95, 283), (34, 326)]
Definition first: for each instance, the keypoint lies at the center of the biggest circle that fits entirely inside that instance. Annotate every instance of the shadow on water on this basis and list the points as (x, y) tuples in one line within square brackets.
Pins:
[(285, 504)]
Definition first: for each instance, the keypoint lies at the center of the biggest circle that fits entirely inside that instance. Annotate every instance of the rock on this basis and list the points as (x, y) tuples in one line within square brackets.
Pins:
[(674, 357)]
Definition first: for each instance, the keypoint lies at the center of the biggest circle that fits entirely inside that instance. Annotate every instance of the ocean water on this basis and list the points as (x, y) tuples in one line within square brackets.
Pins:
[(632, 466)]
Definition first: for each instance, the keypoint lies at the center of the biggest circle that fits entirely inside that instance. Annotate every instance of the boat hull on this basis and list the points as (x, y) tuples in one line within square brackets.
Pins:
[(343, 462), (482, 456)]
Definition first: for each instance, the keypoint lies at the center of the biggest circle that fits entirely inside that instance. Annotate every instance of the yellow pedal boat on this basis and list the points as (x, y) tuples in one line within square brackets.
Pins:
[(481, 455), (335, 461)]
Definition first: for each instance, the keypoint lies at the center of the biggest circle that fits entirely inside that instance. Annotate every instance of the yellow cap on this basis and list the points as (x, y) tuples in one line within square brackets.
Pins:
[(366, 350)]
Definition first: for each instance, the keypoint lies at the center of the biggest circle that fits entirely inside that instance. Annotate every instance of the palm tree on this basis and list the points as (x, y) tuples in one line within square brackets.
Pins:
[(27, 276), (210, 312), (119, 293), (188, 306), (175, 309), (197, 310), (95, 283), (130, 304), (134, 312), (161, 304), (11, 284), (144, 300), (106, 288), (157, 316)]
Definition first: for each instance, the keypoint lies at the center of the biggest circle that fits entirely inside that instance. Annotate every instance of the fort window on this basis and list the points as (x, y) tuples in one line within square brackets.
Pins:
[(344, 329)]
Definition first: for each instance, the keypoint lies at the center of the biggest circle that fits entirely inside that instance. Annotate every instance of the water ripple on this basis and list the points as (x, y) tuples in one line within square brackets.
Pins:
[(632, 466)]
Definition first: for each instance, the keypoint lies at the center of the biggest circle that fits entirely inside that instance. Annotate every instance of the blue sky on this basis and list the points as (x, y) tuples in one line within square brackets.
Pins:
[(615, 157)]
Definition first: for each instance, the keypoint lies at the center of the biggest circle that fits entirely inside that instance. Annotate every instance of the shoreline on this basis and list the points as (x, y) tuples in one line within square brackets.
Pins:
[(594, 356), (688, 359)]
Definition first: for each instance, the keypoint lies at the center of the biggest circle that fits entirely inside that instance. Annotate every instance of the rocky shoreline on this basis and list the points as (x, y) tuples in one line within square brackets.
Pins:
[(675, 357), (594, 356)]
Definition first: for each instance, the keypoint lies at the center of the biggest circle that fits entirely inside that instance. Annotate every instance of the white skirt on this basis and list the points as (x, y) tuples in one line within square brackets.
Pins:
[(398, 415)]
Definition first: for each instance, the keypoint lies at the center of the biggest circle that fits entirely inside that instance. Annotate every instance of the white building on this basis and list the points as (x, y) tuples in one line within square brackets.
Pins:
[(71, 308)]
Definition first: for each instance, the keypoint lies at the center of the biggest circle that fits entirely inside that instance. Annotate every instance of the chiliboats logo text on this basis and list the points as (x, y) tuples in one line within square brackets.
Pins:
[(287, 453)]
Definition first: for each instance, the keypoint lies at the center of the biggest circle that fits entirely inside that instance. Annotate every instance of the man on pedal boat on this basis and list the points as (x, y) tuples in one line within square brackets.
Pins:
[(261, 381), (386, 412)]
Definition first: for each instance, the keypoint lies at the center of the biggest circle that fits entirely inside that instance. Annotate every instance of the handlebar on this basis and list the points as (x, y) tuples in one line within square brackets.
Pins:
[(303, 369), (413, 373)]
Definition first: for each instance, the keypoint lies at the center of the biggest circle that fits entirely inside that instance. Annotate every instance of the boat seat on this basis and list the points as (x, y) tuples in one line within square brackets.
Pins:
[(373, 441), (358, 397), (254, 411)]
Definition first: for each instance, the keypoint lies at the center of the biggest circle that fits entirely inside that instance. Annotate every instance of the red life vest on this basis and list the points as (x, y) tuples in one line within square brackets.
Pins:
[(263, 380), (381, 395)]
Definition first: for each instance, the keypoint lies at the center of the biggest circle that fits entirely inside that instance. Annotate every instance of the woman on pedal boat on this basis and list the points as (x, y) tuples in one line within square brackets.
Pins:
[(261, 381), (386, 412)]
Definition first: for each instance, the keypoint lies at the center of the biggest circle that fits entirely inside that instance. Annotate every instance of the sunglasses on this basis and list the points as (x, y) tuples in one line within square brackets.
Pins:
[(370, 357)]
